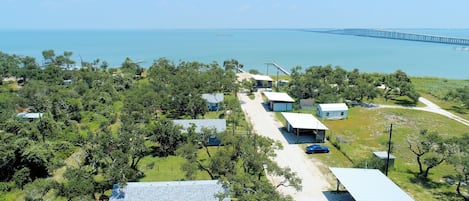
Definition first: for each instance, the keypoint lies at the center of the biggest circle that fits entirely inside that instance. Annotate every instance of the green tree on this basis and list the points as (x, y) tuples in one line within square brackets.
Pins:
[(22, 177), (49, 56), (232, 64), (79, 185), (430, 151), (47, 127), (461, 95), (241, 164), (460, 162), (9, 65), (132, 141), (167, 135), (104, 65), (399, 84), (37, 189), (30, 69)]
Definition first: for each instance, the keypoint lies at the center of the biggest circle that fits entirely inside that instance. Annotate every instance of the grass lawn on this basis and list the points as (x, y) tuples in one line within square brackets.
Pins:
[(435, 89), (13, 195), (169, 168), (366, 130), (438, 87)]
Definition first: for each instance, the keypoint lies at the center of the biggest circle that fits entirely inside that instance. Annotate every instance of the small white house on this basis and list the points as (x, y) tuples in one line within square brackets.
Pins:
[(332, 111)]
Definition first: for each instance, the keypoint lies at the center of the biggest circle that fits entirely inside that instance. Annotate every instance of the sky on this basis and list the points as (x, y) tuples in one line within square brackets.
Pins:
[(200, 14)]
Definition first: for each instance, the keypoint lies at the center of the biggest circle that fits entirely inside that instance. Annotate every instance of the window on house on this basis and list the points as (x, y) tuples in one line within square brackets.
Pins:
[(342, 114), (327, 114)]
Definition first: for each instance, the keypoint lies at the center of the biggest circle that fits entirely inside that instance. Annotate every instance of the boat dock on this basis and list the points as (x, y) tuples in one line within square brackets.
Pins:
[(279, 67)]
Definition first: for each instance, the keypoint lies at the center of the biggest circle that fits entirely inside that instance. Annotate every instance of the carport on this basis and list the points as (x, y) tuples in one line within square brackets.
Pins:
[(306, 124), (368, 185), (279, 101)]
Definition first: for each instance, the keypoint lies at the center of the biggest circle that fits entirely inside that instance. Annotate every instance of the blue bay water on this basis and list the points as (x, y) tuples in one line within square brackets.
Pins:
[(251, 47)]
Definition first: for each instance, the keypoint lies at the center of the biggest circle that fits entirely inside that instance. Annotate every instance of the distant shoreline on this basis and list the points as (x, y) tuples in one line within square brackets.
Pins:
[(289, 47)]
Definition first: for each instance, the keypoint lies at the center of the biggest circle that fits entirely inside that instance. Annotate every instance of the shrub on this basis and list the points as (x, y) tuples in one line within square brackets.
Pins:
[(4, 187)]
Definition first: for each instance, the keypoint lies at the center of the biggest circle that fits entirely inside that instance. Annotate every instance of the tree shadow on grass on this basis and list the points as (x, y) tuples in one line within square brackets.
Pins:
[(425, 182), (406, 102), (458, 109), (157, 151), (449, 196)]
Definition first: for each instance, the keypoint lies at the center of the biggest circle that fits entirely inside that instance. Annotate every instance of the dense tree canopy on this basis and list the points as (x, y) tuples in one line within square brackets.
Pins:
[(326, 84), (98, 123)]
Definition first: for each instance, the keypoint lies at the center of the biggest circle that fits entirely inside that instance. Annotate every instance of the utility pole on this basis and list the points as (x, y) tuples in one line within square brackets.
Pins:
[(389, 149)]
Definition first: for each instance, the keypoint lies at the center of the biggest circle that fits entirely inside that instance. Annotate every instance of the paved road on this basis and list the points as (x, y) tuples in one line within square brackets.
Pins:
[(313, 180), (431, 107)]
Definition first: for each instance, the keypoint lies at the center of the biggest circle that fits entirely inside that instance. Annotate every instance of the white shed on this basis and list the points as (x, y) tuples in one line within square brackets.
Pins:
[(332, 111)]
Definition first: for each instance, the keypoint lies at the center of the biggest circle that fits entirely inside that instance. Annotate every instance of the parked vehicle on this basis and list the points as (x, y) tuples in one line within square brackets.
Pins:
[(316, 148)]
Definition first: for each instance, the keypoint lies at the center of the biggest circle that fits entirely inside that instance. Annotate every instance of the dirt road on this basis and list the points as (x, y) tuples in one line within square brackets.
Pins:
[(430, 107), (313, 181)]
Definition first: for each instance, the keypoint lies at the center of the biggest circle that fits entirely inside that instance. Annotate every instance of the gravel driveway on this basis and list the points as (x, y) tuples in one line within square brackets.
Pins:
[(314, 182)]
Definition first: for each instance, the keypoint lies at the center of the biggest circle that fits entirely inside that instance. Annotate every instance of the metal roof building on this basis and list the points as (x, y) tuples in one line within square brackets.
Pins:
[(383, 155), (369, 185), (27, 115), (213, 100), (261, 77), (306, 104), (218, 124), (279, 101), (262, 81), (332, 110), (305, 124), (202, 190)]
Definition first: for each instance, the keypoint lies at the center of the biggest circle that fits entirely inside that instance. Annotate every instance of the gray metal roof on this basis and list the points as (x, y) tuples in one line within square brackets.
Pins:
[(218, 124), (261, 77), (369, 185), (303, 121), (306, 102), (383, 155), (213, 98), (26, 115), (201, 190)]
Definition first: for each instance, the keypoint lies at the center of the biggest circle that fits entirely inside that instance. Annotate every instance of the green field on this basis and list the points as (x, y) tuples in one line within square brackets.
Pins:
[(166, 169), (366, 130), (436, 89)]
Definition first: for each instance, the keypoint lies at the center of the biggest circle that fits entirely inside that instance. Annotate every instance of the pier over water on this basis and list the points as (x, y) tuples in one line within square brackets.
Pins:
[(377, 33)]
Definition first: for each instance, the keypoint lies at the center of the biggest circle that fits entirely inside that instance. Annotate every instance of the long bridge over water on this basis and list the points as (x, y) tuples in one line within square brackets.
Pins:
[(377, 33)]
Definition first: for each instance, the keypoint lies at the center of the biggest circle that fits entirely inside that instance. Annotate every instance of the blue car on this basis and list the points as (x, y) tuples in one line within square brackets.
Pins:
[(315, 148)]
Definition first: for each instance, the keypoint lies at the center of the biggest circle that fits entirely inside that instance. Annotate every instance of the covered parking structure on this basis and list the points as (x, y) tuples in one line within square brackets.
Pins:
[(368, 185), (305, 124), (262, 81), (279, 102)]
